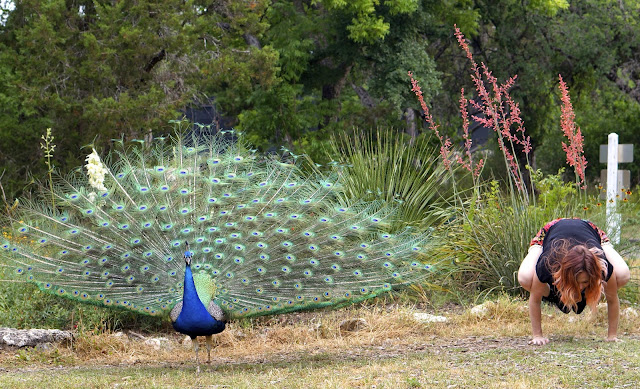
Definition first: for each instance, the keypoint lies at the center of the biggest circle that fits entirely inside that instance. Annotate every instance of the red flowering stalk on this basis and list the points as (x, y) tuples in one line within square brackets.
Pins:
[(574, 150), (467, 140), (498, 112), (445, 142)]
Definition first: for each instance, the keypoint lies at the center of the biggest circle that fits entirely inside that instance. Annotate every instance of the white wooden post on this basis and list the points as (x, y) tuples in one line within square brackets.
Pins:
[(613, 217)]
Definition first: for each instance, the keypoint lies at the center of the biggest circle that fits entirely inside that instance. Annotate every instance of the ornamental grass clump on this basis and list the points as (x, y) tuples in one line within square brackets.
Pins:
[(406, 175)]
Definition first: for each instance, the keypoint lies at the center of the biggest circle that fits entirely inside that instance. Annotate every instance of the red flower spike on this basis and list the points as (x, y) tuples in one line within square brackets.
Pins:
[(498, 111), (574, 150), (445, 148)]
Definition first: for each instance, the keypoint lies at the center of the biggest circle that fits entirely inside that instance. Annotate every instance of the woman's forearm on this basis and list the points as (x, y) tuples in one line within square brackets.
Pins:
[(535, 314), (613, 314)]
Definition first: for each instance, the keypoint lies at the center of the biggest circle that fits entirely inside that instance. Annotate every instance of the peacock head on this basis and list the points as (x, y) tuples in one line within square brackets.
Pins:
[(188, 255)]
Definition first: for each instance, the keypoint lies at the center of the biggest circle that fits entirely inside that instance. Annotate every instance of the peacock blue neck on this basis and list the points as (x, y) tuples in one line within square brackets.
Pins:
[(190, 294), (194, 319)]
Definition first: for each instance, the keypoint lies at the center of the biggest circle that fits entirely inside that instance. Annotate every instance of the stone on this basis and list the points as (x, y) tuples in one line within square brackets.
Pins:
[(482, 310), (428, 318), (351, 325), (44, 346), (33, 337), (158, 343)]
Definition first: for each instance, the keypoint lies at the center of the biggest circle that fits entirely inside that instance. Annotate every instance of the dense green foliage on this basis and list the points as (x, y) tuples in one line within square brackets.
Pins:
[(591, 44), (295, 72)]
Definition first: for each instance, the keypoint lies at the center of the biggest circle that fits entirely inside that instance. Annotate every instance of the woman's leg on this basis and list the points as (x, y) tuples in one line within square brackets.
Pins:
[(528, 267), (620, 268)]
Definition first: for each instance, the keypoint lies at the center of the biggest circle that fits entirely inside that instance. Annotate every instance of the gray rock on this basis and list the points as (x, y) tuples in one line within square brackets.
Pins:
[(158, 343), (428, 318), (44, 346), (31, 338)]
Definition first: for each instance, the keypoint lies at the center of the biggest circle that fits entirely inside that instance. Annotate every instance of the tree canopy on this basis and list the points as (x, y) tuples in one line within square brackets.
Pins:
[(292, 73)]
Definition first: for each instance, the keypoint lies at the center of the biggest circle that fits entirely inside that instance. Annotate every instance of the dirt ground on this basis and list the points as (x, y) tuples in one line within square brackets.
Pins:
[(378, 333)]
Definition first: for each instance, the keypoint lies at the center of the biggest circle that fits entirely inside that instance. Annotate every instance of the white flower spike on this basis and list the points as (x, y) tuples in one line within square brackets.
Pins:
[(96, 171)]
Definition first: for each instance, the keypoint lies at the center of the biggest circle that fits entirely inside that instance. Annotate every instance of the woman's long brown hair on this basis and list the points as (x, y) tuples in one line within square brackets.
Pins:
[(571, 260)]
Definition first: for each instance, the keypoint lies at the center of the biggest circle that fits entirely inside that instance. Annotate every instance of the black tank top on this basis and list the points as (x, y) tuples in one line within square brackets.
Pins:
[(576, 231)]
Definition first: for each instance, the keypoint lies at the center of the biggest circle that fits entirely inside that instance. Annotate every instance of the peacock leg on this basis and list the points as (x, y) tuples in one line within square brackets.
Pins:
[(209, 346), (194, 340)]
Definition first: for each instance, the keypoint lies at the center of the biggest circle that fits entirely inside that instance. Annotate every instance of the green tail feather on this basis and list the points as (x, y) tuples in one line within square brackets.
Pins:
[(266, 238)]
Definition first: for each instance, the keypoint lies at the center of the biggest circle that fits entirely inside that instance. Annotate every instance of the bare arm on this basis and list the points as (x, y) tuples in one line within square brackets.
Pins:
[(538, 290), (528, 278), (619, 278), (613, 307)]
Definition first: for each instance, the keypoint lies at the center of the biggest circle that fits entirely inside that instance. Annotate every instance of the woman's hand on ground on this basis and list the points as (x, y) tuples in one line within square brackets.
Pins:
[(539, 341), (613, 339)]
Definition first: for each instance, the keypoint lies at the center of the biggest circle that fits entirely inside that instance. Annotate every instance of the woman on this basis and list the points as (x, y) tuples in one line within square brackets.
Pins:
[(570, 262)]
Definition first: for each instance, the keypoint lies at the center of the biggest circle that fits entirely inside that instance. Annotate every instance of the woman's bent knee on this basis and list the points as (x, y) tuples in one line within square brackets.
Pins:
[(622, 277), (525, 280)]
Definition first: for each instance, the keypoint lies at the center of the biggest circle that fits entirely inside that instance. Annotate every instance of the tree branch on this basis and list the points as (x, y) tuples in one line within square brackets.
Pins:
[(162, 54)]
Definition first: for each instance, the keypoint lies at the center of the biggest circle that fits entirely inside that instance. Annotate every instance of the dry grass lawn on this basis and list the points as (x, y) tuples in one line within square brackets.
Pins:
[(388, 348)]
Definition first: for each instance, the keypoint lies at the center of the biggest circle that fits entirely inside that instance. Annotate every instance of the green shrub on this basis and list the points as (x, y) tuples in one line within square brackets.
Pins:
[(23, 305), (491, 235)]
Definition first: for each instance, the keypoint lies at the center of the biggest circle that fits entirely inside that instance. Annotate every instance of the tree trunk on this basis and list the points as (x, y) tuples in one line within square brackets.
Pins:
[(332, 91), (410, 119), (365, 97)]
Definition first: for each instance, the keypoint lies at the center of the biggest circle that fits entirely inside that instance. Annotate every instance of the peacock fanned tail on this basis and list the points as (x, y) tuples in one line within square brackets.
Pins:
[(266, 238)]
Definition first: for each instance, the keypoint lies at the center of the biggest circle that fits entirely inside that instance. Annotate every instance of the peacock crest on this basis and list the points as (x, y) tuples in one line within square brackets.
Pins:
[(266, 237)]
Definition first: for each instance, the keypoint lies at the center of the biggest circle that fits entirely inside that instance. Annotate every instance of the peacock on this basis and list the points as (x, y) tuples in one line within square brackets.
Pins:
[(205, 230)]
